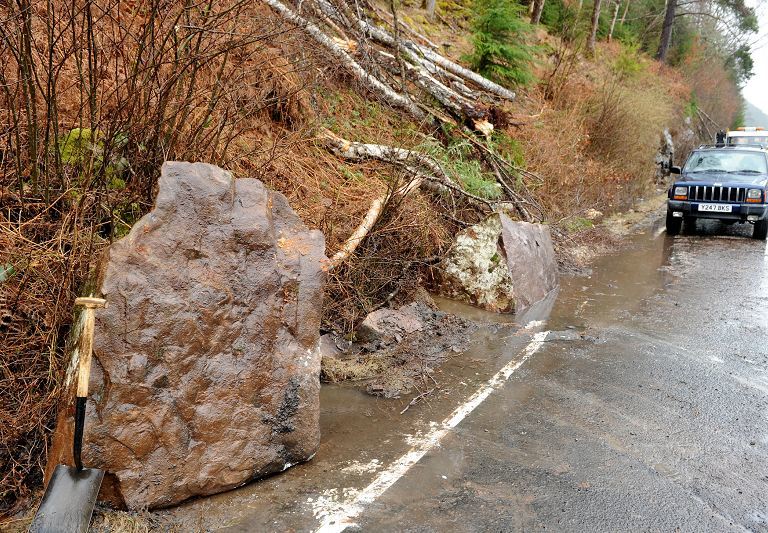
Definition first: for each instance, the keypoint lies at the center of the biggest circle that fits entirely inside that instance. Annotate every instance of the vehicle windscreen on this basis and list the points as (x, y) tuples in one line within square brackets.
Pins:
[(727, 162), (757, 139)]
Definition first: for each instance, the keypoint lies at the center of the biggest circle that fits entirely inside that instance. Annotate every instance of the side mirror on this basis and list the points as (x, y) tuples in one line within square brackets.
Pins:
[(675, 170)]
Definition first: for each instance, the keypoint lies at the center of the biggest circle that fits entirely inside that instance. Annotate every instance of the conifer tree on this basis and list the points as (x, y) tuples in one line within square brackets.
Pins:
[(499, 39)]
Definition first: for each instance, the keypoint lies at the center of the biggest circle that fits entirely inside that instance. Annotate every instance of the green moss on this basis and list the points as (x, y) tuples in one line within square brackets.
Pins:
[(578, 224), (76, 147)]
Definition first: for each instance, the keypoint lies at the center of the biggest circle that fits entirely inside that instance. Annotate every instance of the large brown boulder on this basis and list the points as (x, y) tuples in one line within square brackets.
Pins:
[(500, 265), (206, 370)]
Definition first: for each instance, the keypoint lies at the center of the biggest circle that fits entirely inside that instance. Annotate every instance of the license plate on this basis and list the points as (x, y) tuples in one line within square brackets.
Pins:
[(716, 208)]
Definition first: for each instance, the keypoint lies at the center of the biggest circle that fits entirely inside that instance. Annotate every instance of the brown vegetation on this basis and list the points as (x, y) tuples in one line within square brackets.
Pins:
[(94, 96), (598, 131)]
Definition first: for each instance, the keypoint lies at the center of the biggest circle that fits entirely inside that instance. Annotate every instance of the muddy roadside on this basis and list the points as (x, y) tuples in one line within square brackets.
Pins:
[(577, 250), (395, 352)]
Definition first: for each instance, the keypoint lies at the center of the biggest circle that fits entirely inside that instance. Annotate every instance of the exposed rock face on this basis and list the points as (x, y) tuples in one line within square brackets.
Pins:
[(500, 265), (665, 156), (531, 260), (206, 370)]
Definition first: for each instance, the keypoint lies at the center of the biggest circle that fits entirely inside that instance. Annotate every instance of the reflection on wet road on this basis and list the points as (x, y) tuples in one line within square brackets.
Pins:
[(645, 409)]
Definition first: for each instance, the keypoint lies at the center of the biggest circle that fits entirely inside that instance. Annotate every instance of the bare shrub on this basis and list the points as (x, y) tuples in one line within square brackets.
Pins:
[(595, 140), (628, 120), (94, 96)]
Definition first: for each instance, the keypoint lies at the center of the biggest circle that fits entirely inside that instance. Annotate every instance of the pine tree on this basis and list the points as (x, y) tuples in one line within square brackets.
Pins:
[(499, 35)]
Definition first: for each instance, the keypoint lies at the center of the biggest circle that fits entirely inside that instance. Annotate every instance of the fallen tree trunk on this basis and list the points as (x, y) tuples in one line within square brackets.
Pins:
[(438, 182), (460, 106), (361, 151), (371, 82), (387, 39), (458, 70), (351, 244), (370, 219)]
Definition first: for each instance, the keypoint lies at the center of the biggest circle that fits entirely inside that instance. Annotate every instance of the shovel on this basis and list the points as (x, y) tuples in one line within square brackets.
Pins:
[(68, 501)]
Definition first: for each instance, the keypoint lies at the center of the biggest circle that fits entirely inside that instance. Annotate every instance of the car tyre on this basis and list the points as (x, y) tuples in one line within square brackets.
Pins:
[(760, 231), (674, 224)]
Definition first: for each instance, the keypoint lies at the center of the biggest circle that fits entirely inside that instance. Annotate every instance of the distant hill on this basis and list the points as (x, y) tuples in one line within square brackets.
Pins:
[(754, 116)]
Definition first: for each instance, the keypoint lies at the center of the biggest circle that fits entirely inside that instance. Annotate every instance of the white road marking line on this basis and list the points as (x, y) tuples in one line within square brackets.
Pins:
[(344, 516)]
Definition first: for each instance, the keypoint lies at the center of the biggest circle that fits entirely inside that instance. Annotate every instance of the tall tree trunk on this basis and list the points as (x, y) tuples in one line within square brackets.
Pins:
[(430, 6), (538, 8), (593, 31), (613, 20), (666, 31), (624, 15)]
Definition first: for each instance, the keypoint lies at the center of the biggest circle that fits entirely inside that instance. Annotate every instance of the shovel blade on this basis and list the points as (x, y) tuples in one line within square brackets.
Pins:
[(68, 501)]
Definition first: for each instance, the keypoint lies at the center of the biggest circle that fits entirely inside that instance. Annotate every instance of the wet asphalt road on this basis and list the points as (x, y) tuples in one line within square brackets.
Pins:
[(646, 409)]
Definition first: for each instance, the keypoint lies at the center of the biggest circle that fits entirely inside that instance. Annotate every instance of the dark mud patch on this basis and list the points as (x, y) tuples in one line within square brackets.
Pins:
[(398, 368)]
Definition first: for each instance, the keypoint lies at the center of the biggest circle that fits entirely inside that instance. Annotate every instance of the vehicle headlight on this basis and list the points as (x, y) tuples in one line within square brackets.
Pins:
[(681, 191), (754, 195)]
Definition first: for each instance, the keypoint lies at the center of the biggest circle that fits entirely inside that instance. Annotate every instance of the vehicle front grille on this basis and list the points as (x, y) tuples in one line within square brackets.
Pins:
[(708, 193)]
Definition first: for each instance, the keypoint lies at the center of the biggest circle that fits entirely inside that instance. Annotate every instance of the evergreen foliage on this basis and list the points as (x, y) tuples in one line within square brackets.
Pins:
[(499, 39), (559, 18)]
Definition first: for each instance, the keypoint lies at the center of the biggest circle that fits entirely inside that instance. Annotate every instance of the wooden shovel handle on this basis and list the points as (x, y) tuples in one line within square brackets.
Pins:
[(86, 342)]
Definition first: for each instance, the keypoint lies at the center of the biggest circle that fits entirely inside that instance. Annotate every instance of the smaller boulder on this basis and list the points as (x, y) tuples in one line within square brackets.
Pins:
[(500, 265), (386, 326), (475, 270), (331, 345)]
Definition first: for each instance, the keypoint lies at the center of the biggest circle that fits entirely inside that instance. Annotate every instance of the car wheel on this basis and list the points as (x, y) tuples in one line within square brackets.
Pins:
[(674, 224), (760, 231)]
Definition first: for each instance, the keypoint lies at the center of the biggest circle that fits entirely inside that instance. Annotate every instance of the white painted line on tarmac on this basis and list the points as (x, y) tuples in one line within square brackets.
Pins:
[(344, 516)]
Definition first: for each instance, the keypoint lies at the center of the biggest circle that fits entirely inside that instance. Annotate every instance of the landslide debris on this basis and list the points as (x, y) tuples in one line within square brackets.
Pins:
[(403, 353)]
